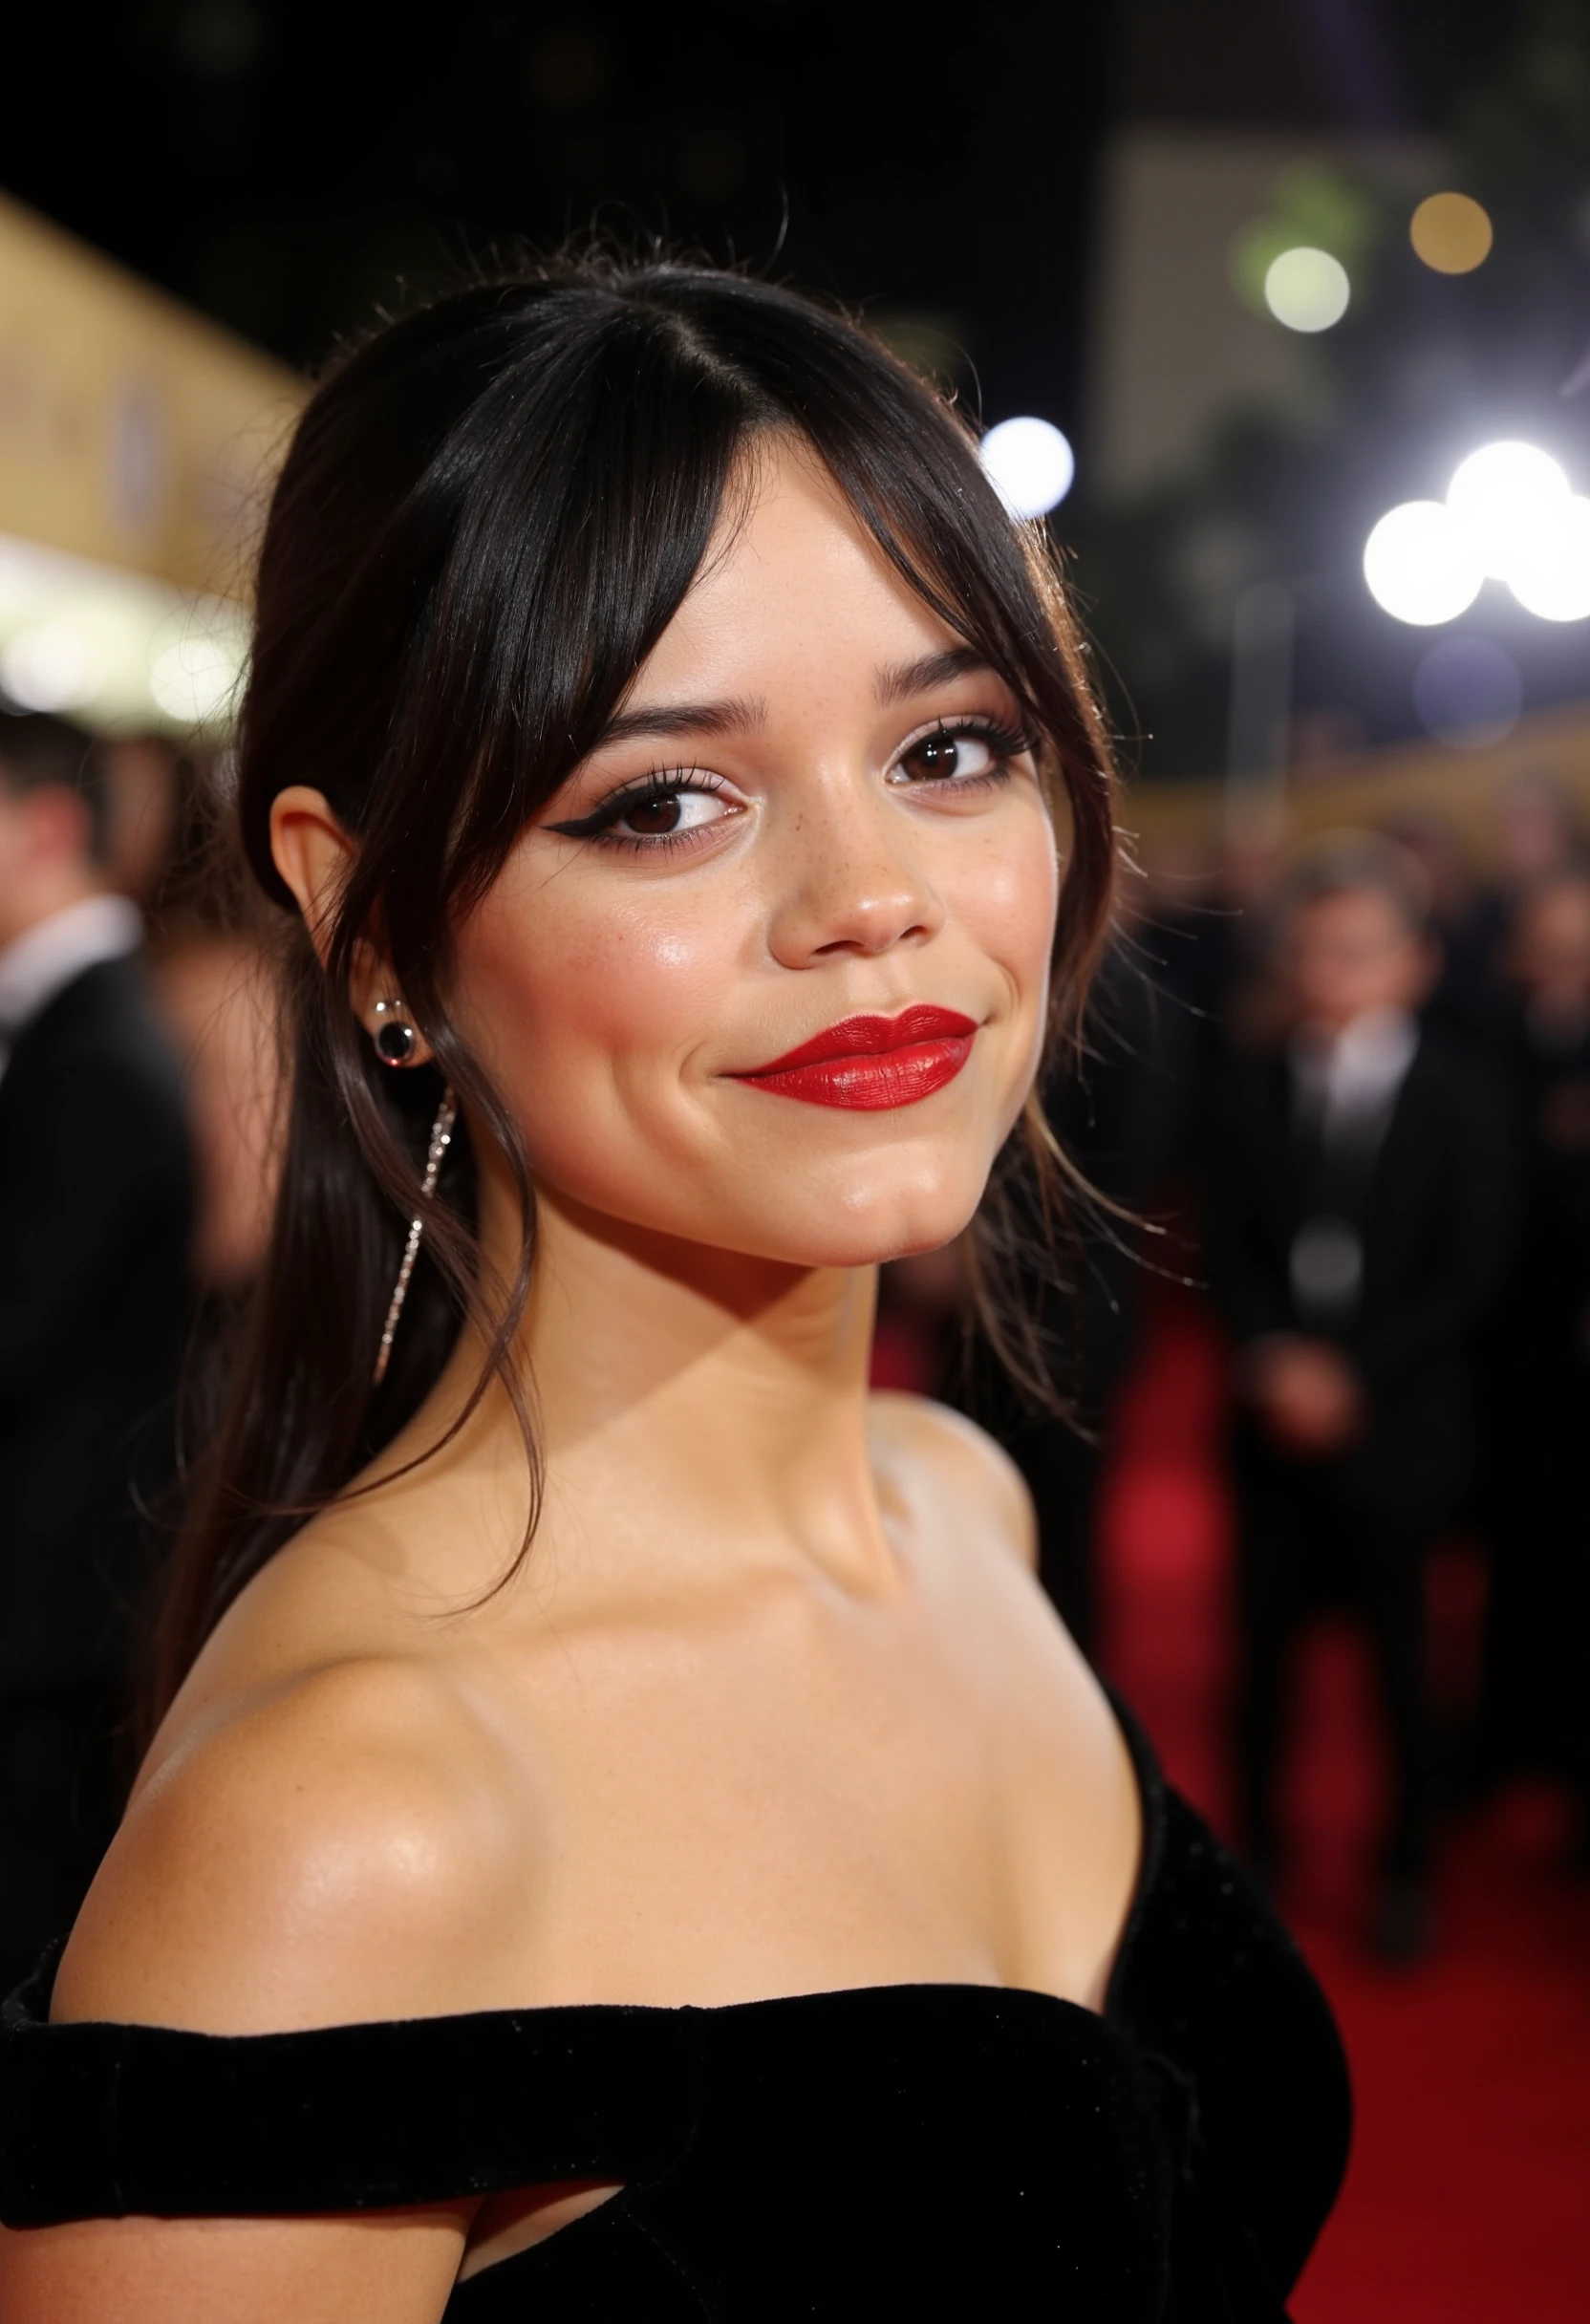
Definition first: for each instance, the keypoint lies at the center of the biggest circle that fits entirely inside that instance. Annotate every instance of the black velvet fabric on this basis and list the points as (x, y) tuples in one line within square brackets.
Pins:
[(929, 2151)]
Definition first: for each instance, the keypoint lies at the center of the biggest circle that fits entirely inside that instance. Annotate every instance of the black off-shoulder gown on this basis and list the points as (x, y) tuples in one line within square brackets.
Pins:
[(912, 2152)]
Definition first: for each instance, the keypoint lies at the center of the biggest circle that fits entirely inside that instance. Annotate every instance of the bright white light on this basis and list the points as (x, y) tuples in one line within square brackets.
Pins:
[(1501, 494), (194, 680), (1030, 465), (1551, 578), (49, 667), (1306, 289), (83, 638), (1422, 564)]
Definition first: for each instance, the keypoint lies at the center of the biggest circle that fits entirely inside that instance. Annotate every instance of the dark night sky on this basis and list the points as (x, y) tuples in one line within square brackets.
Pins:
[(1372, 65), (295, 166), (278, 162), (281, 162)]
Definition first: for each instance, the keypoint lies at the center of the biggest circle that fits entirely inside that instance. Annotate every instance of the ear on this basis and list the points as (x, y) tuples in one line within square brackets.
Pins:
[(314, 856)]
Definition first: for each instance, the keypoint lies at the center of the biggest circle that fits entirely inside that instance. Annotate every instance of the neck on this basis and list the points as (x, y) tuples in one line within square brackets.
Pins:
[(1329, 1030), (714, 1401)]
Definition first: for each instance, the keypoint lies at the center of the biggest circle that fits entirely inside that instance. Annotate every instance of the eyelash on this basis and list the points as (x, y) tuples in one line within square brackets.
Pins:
[(662, 782), (1006, 743)]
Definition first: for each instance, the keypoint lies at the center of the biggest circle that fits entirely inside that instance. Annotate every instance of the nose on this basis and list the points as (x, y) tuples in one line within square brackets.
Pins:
[(852, 880)]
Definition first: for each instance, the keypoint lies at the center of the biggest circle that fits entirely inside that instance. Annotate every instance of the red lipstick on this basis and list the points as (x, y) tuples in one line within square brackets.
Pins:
[(870, 1063)]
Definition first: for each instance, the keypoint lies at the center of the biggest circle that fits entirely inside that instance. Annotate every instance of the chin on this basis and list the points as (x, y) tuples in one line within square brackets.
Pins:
[(865, 1226)]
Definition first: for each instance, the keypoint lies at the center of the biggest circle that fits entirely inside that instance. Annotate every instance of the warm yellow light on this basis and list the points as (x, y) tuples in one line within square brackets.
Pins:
[(1452, 233)]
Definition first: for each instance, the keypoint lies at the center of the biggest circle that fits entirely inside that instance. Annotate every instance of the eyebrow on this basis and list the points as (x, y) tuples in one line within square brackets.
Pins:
[(904, 678), (744, 714), (739, 715)]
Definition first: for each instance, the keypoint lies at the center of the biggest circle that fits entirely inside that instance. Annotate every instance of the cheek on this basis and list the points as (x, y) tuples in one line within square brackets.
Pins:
[(570, 992), (1006, 904)]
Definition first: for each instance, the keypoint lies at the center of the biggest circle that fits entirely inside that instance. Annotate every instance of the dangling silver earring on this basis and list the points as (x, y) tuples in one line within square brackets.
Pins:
[(394, 1037), (441, 1138)]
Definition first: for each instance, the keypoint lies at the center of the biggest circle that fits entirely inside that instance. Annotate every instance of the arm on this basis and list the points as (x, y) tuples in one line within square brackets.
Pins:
[(1246, 1267), (101, 1164), (391, 2268), (1480, 1229), (329, 1858), (1305, 1394)]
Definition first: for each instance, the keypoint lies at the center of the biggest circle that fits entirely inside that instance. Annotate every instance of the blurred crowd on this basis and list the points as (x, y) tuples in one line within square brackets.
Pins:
[(1344, 1089), (137, 1099)]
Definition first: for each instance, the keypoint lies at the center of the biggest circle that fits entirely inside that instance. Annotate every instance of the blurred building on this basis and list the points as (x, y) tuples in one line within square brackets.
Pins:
[(135, 439), (136, 447), (1182, 343)]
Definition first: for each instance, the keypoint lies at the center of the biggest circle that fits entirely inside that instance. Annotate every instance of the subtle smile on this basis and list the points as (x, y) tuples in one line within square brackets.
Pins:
[(870, 1063)]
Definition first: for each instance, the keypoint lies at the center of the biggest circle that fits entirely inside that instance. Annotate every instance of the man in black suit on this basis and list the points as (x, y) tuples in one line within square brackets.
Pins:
[(95, 1213), (1537, 1359), (1359, 1210)]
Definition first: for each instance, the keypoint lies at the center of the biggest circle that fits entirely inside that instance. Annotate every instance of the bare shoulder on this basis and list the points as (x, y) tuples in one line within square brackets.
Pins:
[(955, 1458), (323, 1849), (1070, 1763)]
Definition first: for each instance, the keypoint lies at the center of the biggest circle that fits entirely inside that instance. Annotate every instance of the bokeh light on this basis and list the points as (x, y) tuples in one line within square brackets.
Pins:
[(48, 666), (1467, 692), (1501, 494), (195, 680), (1306, 289), (1029, 464), (1422, 564), (1552, 578), (1511, 515), (1452, 233)]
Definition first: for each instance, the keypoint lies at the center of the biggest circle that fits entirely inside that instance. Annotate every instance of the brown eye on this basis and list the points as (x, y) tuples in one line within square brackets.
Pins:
[(939, 758), (652, 814), (667, 811), (655, 818)]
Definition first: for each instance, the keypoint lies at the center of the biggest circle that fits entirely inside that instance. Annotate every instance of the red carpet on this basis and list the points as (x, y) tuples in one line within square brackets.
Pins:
[(1468, 2200)]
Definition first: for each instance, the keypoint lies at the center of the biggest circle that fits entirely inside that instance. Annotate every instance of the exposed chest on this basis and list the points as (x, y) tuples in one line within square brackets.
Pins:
[(800, 1798)]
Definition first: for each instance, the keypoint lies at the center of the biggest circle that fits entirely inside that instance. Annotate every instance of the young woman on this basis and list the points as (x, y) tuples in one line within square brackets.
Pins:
[(627, 1838)]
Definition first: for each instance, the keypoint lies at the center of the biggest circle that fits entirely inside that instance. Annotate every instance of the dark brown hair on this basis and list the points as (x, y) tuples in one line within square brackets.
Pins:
[(488, 515)]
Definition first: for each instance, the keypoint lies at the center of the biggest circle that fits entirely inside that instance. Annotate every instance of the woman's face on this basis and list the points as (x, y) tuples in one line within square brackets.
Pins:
[(814, 807)]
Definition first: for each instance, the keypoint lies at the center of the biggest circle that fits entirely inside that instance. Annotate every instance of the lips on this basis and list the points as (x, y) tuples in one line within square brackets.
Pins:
[(872, 1064)]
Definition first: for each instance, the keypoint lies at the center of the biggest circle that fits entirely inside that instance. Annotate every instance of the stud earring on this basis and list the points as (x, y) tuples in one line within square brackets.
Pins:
[(394, 1036)]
